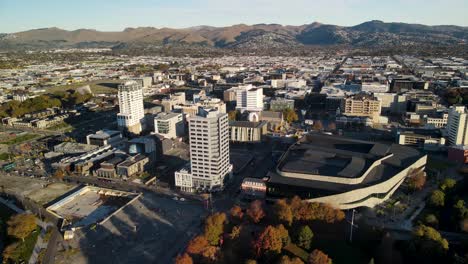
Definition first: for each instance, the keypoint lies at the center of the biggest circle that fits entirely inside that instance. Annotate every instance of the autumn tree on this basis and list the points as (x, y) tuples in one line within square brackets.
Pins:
[(287, 260), (290, 115), (234, 115), (59, 175), (255, 211), (236, 212), (283, 212), (331, 126), (304, 237), (437, 198), (318, 257), (11, 252), (417, 181), (317, 125), (21, 225), (235, 232), (184, 259), (214, 228), (272, 239), (197, 245), (211, 253)]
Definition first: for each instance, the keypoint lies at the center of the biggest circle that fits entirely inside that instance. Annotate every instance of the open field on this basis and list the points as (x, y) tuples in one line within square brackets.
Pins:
[(97, 87), (34, 189)]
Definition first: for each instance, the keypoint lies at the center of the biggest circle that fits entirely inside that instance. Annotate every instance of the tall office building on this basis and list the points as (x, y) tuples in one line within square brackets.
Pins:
[(249, 98), (457, 126), (209, 152), (131, 116)]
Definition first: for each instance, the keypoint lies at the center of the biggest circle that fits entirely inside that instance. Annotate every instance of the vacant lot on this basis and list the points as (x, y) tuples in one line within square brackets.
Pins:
[(97, 87)]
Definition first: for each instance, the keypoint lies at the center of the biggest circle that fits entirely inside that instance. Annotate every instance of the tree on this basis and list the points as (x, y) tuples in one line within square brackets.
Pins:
[(464, 225), (318, 257), (460, 208), (214, 228), (236, 212), (283, 212), (197, 245), (417, 181), (290, 115), (331, 126), (251, 261), (211, 253), (431, 220), (255, 211), (184, 259), (235, 232), (287, 260), (317, 126), (428, 241), (11, 252), (447, 184), (272, 239), (21, 225), (437, 198), (304, 237), (234, 115), (59, 175)]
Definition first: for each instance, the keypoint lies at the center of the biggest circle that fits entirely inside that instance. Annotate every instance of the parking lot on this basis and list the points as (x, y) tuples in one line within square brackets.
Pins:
[(150, 230)]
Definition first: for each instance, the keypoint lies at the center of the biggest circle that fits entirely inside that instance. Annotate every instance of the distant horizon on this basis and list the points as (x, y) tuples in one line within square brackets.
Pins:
[(116, 15), (196, 26)]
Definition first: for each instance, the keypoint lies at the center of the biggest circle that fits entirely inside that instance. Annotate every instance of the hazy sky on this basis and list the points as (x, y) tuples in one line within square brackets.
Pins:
[(115, 15)]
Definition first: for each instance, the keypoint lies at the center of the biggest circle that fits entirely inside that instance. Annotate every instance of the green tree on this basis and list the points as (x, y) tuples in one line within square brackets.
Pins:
[(214, 227), (437, 198), (431, 220), (447, 184), (428, 241), (304, 237), (234, 115)]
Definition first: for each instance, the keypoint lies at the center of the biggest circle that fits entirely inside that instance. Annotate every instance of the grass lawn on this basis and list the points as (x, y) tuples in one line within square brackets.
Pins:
[(297, 251), (5, 156), (26, 248), (19, 139), (341, 251), (61, 126), (97, 87)]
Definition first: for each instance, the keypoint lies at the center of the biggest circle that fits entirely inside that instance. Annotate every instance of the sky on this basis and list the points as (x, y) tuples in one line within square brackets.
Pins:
[(116, 15)]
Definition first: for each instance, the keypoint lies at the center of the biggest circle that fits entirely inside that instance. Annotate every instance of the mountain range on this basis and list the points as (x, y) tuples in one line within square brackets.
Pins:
[(260, 36)]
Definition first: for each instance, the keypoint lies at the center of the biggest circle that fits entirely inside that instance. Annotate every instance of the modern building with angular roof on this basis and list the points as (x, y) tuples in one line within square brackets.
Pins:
[(343, 172)]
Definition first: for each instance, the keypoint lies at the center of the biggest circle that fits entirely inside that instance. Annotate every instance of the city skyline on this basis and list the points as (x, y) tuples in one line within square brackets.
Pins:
[(116, 16)]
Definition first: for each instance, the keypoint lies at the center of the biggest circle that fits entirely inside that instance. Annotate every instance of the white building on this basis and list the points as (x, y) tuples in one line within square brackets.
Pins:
[(249, 98), (209, 152), (131, 116), (457, 126), (169, 125)]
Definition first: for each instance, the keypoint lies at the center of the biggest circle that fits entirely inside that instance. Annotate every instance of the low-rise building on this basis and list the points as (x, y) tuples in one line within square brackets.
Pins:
[(169, 125), (132, 166), (245, 131)]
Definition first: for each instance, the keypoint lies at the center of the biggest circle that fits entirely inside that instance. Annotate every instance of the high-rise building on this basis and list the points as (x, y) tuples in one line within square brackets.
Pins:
[(249, 98), (209, 152), (457, 126), (131, 116)]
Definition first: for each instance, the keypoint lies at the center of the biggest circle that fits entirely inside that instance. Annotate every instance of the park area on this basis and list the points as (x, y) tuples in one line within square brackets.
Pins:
[(290, 231), (18, 235)]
